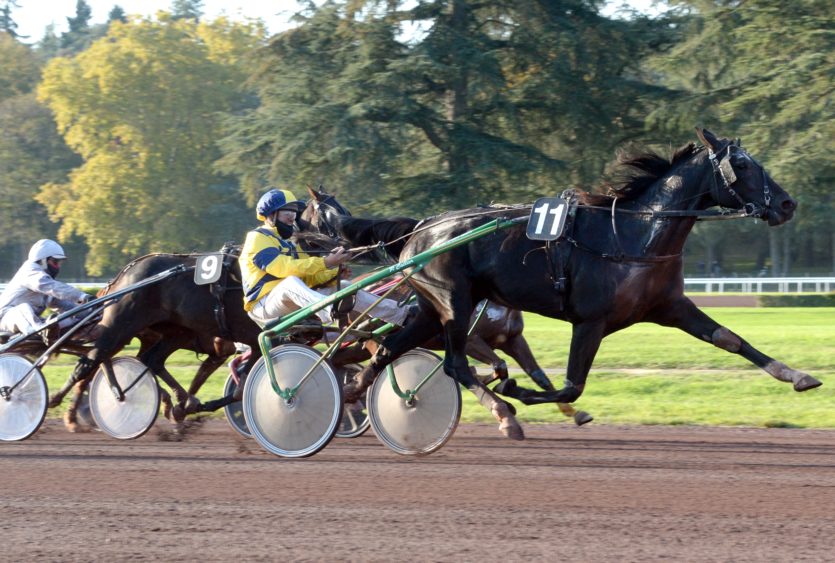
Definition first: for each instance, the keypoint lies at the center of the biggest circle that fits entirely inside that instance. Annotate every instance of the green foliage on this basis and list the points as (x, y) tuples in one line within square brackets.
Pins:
[(141, 107), (762, 70), (7, 24), (185, 9), (20, 70), (788, 300), (489, 104)]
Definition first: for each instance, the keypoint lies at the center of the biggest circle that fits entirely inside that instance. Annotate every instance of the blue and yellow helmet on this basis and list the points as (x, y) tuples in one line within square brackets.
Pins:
[(274, 200)]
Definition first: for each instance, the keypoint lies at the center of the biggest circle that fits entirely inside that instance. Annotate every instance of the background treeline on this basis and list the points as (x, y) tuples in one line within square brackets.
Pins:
[(158, 134)]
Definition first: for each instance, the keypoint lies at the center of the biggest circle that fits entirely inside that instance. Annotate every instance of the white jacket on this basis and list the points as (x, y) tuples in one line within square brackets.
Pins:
[(33, 285)]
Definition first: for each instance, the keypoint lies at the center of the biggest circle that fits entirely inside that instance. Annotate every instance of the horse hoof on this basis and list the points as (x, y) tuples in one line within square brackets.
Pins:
[(582, 417), (54, 401), (806, 382), (69, 423), (512, 430), (167, 411), (192, 405), (178, 414), (507, 422)]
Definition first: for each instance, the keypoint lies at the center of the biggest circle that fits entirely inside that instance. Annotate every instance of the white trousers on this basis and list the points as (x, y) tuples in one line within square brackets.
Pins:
[(291, 294), (22, 318)]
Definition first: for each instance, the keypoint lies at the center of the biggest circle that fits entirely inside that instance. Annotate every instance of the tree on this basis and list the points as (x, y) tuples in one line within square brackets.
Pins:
[(762, 70), (186, 9), (8, 24), (31, 153), (141, 107), (78, 37), (20, 70), (490, 103), (117, 14)]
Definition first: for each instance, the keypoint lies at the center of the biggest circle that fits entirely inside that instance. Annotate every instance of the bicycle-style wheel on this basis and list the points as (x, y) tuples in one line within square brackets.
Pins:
[(235, 411), (306, 423), (423, 425), (134, 416), (23, 408), (354, 415)]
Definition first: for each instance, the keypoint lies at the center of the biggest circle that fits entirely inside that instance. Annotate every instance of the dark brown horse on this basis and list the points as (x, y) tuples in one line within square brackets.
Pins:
[(499, 328), (619, 264), (168, 316)]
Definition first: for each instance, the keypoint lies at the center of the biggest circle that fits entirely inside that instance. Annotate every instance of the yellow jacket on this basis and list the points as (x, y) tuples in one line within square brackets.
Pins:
[(266, 259)]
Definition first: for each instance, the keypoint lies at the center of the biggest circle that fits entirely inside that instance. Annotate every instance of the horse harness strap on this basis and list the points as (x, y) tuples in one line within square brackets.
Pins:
[(218, 290), (557, 258)]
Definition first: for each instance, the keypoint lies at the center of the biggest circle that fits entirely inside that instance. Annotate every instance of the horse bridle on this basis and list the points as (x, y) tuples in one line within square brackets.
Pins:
[(723, 170), (322, 220)]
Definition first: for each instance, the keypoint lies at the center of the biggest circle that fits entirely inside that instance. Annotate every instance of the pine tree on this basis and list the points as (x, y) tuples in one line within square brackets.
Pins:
[(187, 9)]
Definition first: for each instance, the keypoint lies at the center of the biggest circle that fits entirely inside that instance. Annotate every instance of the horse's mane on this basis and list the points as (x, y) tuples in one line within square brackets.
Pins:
[(635, 172)]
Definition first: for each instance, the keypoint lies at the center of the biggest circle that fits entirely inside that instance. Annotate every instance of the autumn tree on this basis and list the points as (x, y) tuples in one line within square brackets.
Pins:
[(141, 107)]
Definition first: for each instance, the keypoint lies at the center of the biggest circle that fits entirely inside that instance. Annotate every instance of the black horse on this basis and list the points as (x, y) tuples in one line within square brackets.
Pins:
[(499, 328), (618, 265)]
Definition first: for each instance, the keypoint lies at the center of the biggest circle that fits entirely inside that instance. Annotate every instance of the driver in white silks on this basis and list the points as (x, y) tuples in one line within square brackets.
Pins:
[(277, 276), (34, 288)]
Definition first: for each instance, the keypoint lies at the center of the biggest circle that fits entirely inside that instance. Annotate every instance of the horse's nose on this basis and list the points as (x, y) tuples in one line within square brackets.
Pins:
[(788, 205)]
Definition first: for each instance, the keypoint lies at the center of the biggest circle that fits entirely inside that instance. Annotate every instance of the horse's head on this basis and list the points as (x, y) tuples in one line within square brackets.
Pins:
[(740, 182), (322, 211)]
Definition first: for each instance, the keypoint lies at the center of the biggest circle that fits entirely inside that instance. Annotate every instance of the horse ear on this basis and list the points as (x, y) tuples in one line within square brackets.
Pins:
[(312, 193), (708, 139)]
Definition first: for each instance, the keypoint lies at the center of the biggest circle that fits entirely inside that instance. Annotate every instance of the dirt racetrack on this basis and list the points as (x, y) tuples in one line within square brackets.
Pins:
[(597, 493)]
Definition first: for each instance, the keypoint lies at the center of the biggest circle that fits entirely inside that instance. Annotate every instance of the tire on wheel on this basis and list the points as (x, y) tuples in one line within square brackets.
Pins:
[(425, 424), (134, 416), (22, 409), (305, 424)]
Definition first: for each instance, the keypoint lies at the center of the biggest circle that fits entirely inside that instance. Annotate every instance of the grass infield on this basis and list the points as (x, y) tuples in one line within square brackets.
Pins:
[(648, 374)]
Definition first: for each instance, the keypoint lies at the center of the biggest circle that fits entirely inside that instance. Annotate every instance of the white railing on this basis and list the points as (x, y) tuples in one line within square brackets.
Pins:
[(759, 285)]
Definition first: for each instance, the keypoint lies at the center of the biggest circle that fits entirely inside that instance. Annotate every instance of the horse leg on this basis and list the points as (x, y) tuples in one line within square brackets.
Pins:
[(71, 414), (84, 369), (455, 365), (517, 348), (423, 327), (154, 358), (215, 404), (684, 315), (585, 341), (478, 349)]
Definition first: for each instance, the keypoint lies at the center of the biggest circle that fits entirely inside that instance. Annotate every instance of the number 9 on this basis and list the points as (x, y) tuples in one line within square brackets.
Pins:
[(208, 267)]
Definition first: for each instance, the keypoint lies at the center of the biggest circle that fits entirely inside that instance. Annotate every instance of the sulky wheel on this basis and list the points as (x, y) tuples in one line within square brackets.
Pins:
[(304, 424), (133, 416), (423, 425), (23, 398), (235, 411), (354, 415)]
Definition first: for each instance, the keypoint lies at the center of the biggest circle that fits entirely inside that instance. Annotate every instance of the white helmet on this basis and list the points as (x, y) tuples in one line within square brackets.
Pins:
[(46, 248)]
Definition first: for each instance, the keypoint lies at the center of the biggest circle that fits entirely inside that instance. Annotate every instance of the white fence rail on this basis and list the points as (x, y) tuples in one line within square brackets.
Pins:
[(706, 285), (759, 285)]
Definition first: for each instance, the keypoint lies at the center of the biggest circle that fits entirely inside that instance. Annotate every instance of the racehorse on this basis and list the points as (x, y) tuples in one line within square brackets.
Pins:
[(619, 264), (170, 315), (500, 328)]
